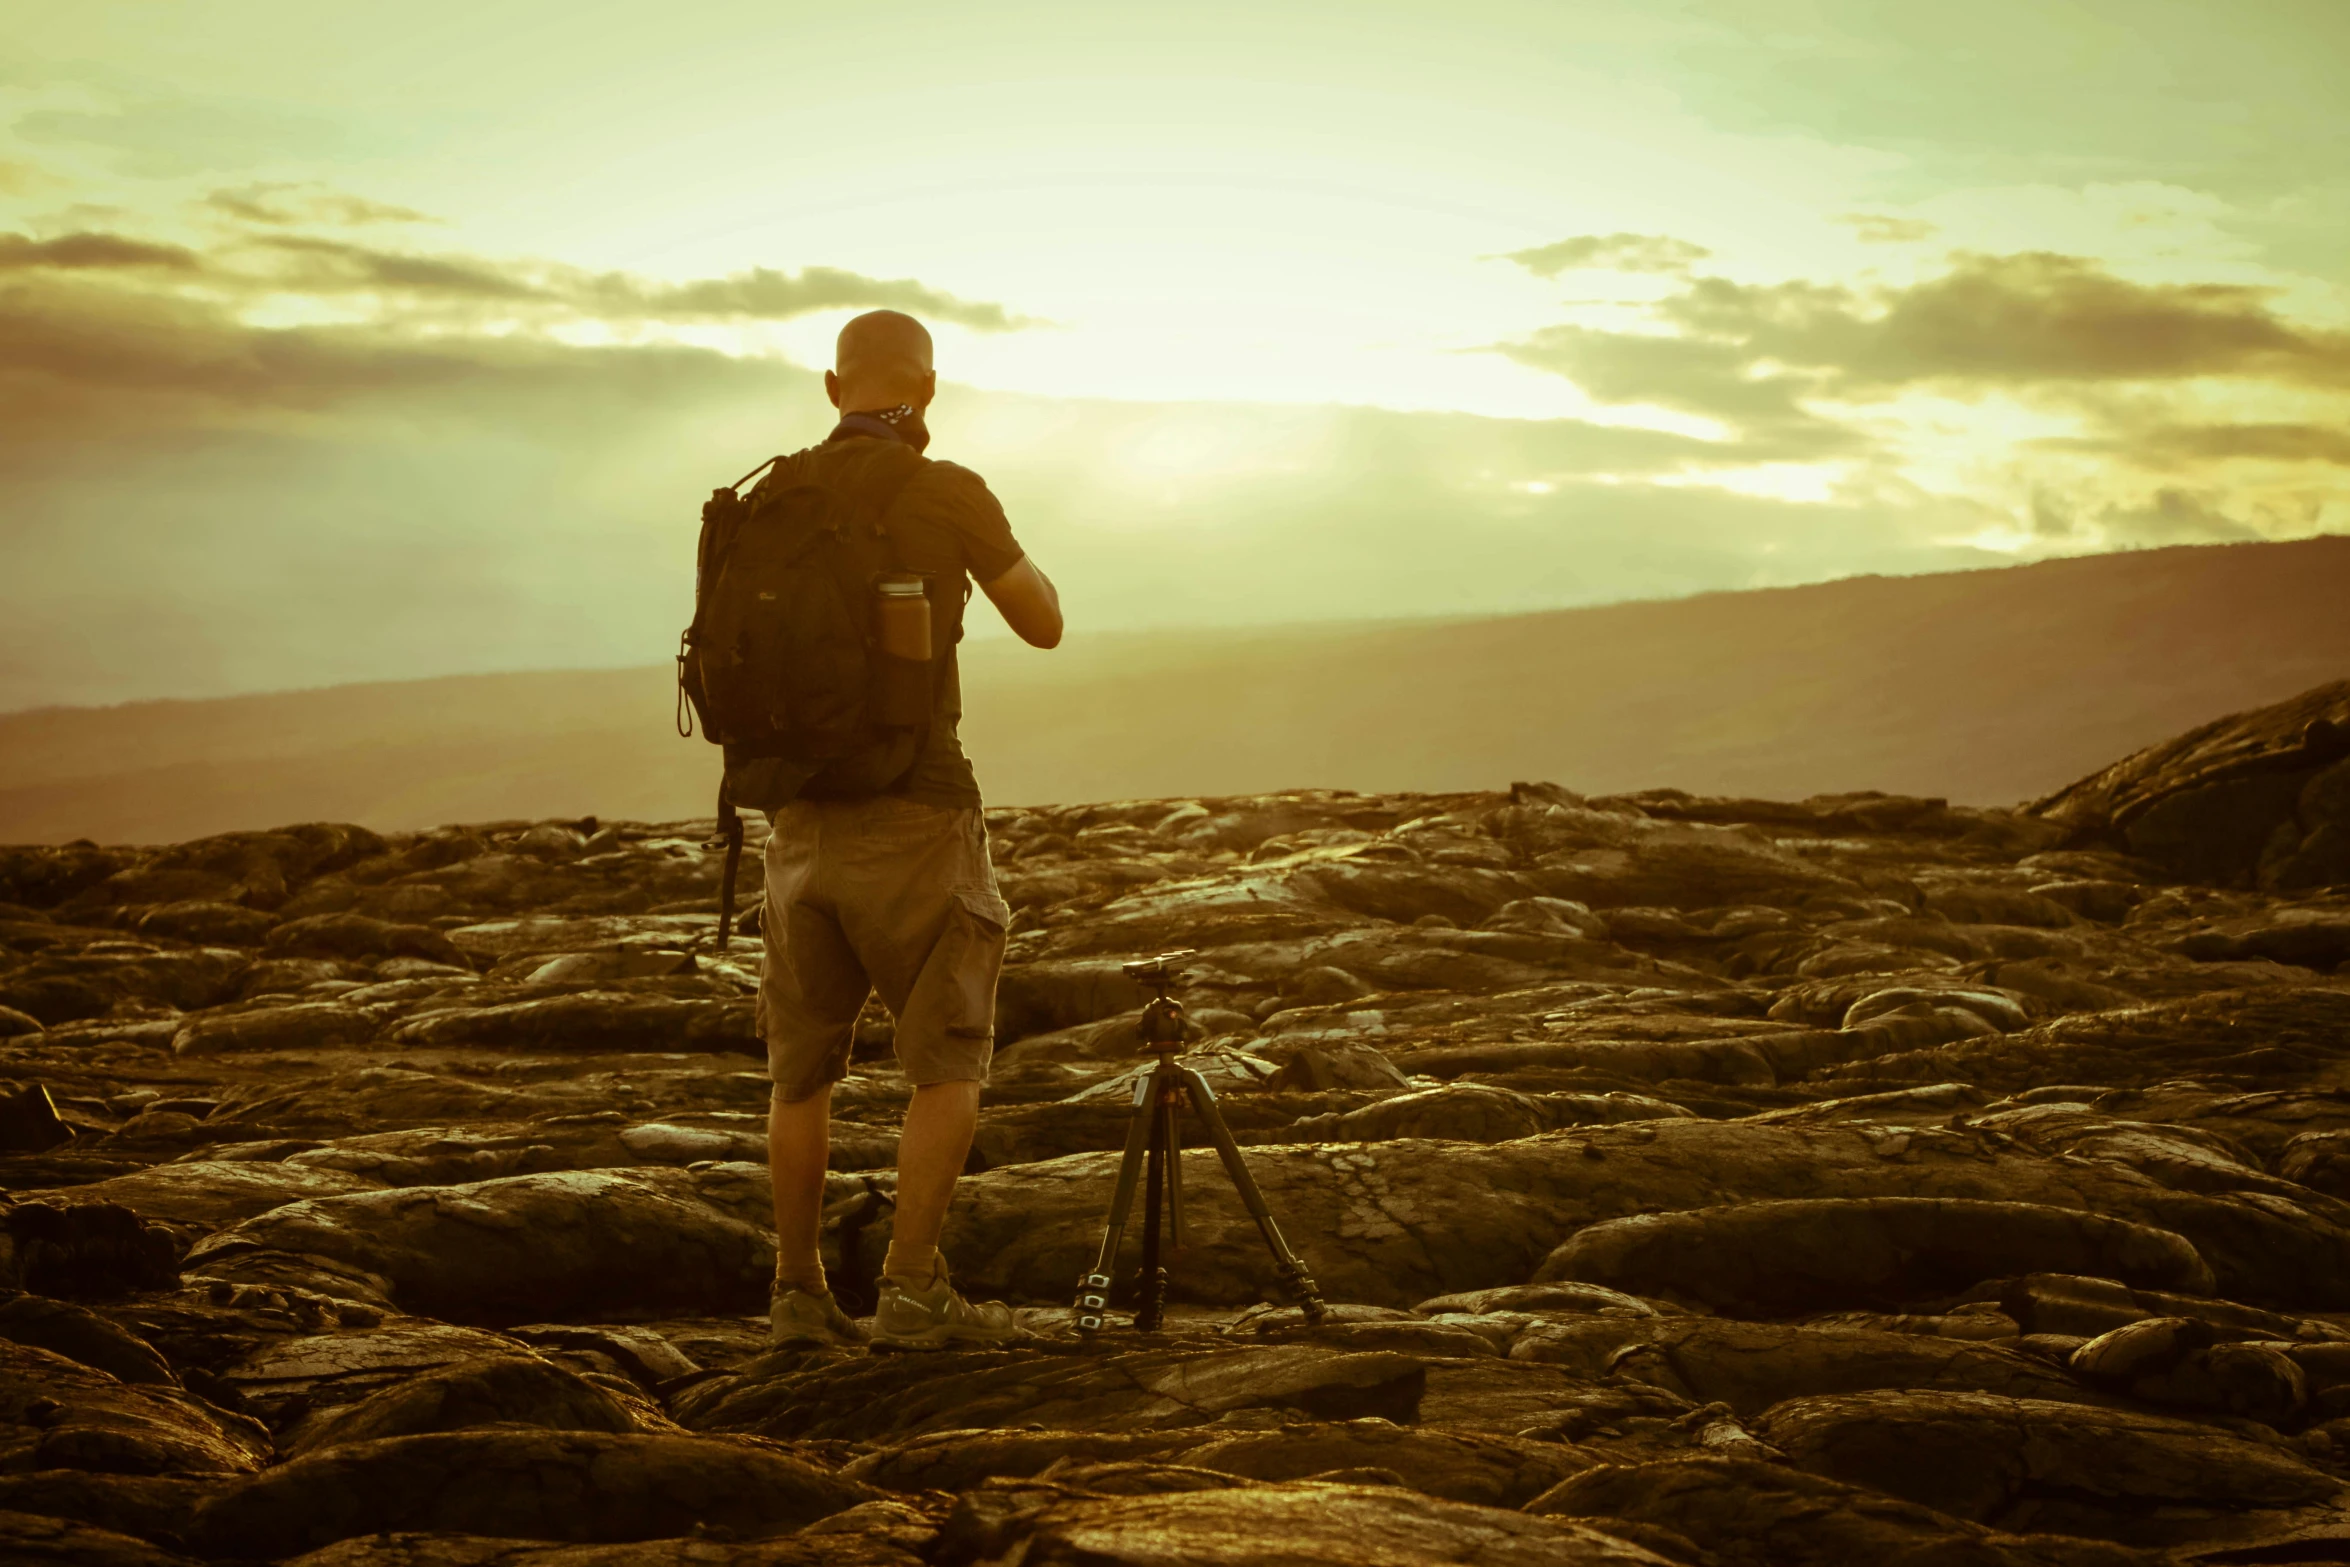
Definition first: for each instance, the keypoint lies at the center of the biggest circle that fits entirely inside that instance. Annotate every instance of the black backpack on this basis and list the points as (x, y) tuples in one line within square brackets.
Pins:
[(780, 664)]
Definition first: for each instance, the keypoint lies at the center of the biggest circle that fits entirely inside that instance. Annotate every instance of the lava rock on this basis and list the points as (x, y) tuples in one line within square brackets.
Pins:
[(503, 1390), (37, 1540), (539, 1485), (79, 1334), (2098, 1472), (890, 1398), (1288, 1526), (89, 1250), (521, 1248), (1752, 1366), (57, 1413), (357, 936), (1747, 1513), (1777, 1258), (29, 1122)]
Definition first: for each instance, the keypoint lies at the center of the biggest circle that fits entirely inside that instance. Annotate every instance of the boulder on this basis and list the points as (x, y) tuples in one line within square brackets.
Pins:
[(29, 1122), (1777, 1258), (1747, 1513), (39, 1540), (2179, 1363), (2084, 1308), (215, 1193), (815, 1546), (57, 1413), (207, 924), (1751, 1366), (80, 1334), (2226, 802), (358, 937), (2305, 938), (1462, 1112), (534, 1484), (314, 1025), (1318, 1069), (501, 1390), (454, 1156), (522, 1248), (2319, 1161), (154, 1508), (41, 876), (65, 987), (961, 1459), (889, 1398), (1039, 998), (2029, 1465), (290, 1376), (1491, 1471), (1305, 1525), (84, 1248), (592, 1020)]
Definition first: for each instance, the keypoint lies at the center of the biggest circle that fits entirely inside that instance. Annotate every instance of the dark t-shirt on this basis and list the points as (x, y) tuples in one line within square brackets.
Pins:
[(950, 528)]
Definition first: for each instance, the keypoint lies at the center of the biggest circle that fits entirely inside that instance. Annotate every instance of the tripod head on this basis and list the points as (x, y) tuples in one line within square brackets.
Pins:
[(1159, 972), (1162, 1026)]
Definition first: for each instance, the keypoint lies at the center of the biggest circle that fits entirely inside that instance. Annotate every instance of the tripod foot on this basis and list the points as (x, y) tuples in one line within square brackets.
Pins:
[(1093, 1298), (1308, 1293)]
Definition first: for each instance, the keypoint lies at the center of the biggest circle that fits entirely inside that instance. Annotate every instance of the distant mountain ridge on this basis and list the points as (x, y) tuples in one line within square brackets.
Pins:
[(1987, 687)]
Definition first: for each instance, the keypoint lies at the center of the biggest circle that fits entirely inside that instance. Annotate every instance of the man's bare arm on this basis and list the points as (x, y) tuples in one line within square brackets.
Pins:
[(1024, 596)]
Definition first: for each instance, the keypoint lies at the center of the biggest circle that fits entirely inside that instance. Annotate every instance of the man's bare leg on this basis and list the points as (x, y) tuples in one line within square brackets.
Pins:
[(799, 1145), (931, 1151)]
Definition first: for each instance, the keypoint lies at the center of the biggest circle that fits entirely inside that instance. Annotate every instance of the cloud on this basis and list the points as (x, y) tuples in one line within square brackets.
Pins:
[(288, 206), (2165, 445), (1765, 415), (89, 363), (2079, 408), (2173, 516), (1610, 253), (2012, 320), (762, 294), (2168, 515), (1877, 228), (270, 262), (326, 265), (1764, 359), (92, 252), (333, 266)]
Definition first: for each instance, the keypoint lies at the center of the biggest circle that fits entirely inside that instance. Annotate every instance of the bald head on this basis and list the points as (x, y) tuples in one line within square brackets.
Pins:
[(881, 360)]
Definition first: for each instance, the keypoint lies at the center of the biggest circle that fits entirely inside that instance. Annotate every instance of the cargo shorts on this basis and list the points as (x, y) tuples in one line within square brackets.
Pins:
[(880, 894)]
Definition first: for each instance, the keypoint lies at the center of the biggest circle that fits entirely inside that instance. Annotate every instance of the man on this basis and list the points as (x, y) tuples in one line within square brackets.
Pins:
[(891, 891)]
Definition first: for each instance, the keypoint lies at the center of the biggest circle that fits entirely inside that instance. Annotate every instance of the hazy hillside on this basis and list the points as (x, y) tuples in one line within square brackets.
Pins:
[(1984, 686)]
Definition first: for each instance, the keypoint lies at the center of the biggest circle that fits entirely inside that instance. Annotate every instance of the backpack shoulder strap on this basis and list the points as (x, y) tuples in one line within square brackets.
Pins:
[(889, 489)]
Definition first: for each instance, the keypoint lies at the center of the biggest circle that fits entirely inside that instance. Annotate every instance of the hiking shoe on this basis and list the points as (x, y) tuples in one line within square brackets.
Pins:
[(937, 1317), (795, 1317)]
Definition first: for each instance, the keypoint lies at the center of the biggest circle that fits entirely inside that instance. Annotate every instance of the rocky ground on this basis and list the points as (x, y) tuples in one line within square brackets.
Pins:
[(1705, 1181)]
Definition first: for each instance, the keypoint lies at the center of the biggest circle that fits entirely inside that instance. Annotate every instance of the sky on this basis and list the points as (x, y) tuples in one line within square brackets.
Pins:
[(346, 342)]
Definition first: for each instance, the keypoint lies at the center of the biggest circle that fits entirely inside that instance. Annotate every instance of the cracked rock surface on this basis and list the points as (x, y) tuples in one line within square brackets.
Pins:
[(1715, 1182)]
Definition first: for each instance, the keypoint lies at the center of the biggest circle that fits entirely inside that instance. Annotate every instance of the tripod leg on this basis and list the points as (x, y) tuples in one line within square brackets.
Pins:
[(1291, 1267), (1151, 1287), (1093, 1290), (1171, 1133)]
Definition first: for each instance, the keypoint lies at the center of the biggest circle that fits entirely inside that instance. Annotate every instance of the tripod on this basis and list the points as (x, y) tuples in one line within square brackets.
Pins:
[(1154, 1153)]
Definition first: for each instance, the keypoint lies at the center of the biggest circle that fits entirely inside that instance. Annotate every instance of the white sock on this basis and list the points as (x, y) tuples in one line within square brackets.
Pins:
[(915, 1267)]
